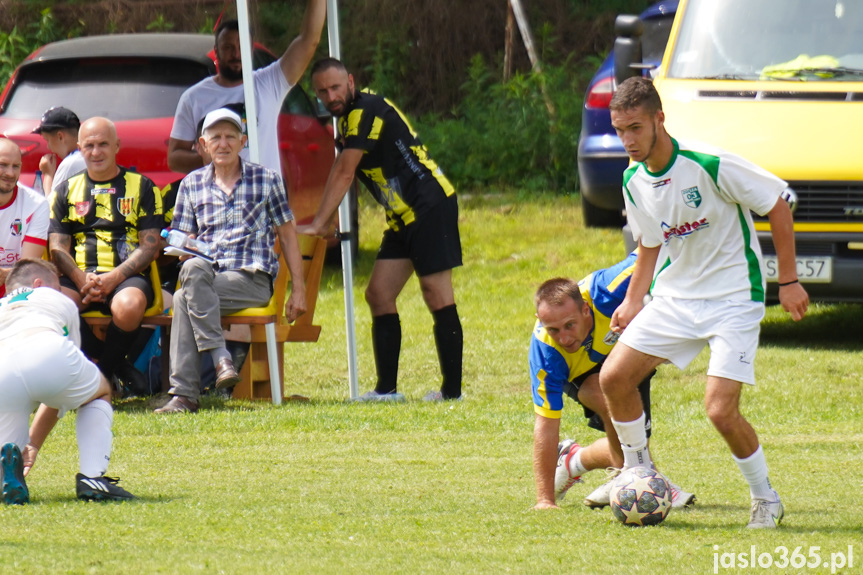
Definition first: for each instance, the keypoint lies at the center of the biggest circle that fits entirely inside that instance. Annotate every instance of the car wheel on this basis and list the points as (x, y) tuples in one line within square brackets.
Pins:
[(599, 218)]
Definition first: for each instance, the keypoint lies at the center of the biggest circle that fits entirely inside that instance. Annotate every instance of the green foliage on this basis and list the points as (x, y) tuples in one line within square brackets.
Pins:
[(16, 45), (506, 133), (160, 24)]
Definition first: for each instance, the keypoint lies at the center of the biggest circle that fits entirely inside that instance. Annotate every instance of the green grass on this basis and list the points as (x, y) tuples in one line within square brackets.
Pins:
[(329, 487)]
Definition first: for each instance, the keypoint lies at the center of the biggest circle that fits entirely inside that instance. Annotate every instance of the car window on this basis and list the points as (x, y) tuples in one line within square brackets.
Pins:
[(261, 58), (655, 37), (298, 103), (119, 89)]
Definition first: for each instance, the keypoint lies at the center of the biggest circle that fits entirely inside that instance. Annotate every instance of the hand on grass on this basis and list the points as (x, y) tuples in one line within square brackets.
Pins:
[(29, 455)]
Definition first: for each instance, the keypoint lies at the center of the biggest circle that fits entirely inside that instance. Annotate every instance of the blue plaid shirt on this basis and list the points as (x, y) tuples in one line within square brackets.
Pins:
[(238, 227)]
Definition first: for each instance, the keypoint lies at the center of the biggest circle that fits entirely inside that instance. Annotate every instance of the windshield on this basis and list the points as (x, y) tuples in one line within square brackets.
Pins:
[(797, 40), (119, 89)]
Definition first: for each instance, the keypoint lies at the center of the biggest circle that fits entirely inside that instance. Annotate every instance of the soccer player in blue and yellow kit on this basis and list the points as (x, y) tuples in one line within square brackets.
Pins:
[(571, 339)]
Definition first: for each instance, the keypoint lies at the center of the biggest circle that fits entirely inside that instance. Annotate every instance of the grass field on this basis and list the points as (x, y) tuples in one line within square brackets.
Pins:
[(331, 487)]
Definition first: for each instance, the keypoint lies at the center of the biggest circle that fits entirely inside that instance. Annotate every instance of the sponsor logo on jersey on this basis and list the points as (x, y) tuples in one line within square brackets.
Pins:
[(683, 230), (124, 206), (99, 191), (691, 197), (660, 183), (82, 208), (16, 227), (610, 338)]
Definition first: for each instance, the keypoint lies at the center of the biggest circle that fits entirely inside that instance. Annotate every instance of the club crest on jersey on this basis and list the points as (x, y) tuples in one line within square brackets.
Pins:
[(16, 227), (82, 208), (660, 183), (124, 206), (691, 197), (611, 338)]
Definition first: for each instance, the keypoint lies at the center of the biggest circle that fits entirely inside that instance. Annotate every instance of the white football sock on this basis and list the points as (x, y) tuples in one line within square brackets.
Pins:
[(93, 430), (576, 468), (754, 469), (633, 440)]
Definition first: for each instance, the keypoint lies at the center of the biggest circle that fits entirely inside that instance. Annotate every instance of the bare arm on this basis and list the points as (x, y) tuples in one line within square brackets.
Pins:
[(338, 184), (296, 304), (300, 52), (182, 156), (793, 297), (639, 286), (61, 255), (43, 422), (546, 434), (31, 250)]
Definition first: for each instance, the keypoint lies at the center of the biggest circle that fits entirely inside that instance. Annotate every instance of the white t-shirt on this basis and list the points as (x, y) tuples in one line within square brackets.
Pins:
[(24, 219), (271, 87), (42, 307), (71, 165), (698, 208)]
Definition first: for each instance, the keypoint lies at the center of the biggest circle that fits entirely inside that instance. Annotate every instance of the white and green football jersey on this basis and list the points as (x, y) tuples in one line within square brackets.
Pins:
[(698, 209)]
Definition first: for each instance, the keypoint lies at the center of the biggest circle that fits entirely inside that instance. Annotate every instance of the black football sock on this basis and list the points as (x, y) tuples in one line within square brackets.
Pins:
[(117, 345), (387, 345), (449, 338)]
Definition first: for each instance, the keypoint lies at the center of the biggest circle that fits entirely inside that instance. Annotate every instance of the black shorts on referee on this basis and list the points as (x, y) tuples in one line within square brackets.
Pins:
[(432, 242)]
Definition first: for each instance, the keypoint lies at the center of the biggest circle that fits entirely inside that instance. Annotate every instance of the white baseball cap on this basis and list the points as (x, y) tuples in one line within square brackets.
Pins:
[(222, 115)]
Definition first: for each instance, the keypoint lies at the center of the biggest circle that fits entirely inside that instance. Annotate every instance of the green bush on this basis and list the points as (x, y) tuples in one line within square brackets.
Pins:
[(17, 45), (505, 133)]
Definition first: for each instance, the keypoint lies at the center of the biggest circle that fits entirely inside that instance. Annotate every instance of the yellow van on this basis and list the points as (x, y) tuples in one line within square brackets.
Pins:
[(780, 82)]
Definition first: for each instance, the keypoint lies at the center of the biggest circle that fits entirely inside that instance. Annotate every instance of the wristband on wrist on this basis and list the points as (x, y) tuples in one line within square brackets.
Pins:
[(789, 283)]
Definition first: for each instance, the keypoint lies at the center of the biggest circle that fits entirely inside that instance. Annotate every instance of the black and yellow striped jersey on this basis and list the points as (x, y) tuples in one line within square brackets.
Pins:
[(396, 167), (169, 200), (103, 218)]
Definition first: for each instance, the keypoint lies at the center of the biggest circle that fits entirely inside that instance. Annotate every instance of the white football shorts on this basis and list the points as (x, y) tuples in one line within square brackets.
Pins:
[(678, 329), (44, 367)]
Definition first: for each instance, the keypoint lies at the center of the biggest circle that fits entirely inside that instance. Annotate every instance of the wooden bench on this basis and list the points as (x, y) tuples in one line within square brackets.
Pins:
[(269, 329)]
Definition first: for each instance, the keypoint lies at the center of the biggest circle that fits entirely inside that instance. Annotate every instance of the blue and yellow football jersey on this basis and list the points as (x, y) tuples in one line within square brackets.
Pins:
[(552, 367)]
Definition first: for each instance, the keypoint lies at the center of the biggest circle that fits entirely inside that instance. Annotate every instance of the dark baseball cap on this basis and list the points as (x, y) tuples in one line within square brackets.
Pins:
[(58, 118)]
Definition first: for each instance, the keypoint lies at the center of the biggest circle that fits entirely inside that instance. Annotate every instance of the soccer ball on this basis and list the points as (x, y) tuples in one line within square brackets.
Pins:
[(640, 496)]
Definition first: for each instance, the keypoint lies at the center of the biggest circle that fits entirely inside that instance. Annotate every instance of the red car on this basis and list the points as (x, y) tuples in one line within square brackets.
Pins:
[(136, 80)]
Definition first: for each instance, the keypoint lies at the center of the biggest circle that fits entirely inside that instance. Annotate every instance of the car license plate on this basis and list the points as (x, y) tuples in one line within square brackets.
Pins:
[(811, 269)]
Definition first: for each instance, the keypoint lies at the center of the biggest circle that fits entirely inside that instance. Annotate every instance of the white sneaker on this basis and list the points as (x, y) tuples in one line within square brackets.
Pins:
[(766, 514), (375, 396), (680, 498), (601, 496), (563, 479)]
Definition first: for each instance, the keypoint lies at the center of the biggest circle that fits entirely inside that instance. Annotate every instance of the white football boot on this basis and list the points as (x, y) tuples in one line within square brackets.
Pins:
[(563, 478), (680, 498), (766, 514), (601, 496)]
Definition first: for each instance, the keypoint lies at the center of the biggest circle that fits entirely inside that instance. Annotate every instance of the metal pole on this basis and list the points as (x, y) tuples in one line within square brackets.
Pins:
[(345, 226), (248, 81)]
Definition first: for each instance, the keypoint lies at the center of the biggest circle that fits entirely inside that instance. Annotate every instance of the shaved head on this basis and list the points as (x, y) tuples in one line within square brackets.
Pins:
[(99, 145)]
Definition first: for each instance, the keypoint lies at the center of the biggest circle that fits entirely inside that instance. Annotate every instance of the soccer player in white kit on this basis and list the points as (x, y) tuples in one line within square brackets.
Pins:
[(39, 349), (695, 201)]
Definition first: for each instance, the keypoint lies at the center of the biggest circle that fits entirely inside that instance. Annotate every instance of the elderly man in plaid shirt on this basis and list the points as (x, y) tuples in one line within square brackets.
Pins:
[(237, 208)]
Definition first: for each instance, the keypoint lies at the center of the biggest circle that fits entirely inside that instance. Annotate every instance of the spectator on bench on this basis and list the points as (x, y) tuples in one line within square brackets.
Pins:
[(23, 214), (237, 208), (104, 233)]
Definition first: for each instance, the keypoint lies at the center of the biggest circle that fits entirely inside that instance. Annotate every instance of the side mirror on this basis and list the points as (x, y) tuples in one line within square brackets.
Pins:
[(627, 47)]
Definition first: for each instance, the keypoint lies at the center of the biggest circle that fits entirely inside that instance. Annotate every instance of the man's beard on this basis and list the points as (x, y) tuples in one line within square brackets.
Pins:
[(231, 74)]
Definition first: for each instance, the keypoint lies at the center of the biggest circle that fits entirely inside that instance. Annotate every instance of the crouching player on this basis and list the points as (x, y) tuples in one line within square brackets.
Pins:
[(571, 339), (39, 345)]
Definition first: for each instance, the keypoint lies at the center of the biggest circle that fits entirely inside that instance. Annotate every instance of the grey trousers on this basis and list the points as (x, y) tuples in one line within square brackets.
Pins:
[(204, 296)]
